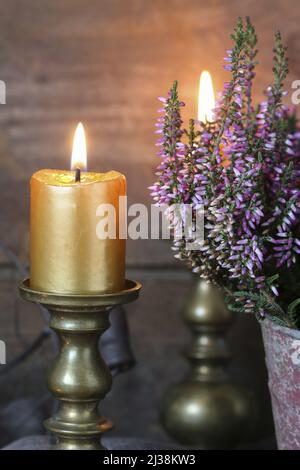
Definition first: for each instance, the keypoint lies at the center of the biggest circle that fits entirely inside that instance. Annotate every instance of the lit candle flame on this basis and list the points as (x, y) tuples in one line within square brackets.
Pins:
[(206, 98), (79, 155)]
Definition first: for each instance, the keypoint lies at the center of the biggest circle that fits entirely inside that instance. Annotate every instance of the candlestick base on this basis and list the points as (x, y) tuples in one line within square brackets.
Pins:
[(79, 378)]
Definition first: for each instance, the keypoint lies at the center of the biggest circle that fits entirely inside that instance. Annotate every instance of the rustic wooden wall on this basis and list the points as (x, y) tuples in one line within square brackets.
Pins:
[(104, 62)]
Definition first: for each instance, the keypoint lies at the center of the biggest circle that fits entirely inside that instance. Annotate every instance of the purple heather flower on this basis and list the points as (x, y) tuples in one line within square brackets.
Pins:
[(244, 169)]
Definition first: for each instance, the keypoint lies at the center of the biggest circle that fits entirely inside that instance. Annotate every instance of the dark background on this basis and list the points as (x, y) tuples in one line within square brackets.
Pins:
[(104, 62)]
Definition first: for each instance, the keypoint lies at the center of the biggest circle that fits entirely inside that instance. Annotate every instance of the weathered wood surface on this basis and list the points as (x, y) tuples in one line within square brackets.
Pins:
[(104, 62)]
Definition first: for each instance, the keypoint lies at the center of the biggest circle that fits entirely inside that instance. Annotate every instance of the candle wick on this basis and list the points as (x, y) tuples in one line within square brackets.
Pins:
[(77, 175)]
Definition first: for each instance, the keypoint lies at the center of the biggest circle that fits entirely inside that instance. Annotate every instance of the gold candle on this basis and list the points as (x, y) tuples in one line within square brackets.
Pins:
[(66, 253)]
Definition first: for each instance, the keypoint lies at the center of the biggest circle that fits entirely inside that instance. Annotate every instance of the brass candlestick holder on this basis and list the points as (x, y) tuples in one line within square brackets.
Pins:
[(79, 378), (206, 410)]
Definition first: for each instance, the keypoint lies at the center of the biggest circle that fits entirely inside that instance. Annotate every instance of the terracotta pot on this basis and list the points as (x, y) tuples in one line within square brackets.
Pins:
[(282, 348)]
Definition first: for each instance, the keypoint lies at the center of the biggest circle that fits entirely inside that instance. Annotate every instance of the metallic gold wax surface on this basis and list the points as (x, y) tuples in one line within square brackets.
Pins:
[(66, 256)]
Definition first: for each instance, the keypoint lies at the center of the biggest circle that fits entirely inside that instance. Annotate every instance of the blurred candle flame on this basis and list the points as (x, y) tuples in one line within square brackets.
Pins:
[(79, 155), (206, 98)]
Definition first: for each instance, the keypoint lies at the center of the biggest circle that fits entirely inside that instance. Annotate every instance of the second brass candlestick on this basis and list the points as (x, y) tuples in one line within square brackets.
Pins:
[(206, 409), (79, 378)]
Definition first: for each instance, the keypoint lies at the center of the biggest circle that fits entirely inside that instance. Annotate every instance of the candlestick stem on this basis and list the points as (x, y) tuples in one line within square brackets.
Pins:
[(79, 379)]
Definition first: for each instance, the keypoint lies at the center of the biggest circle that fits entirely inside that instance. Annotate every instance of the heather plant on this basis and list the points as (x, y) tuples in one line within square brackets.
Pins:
[(244, 170)]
